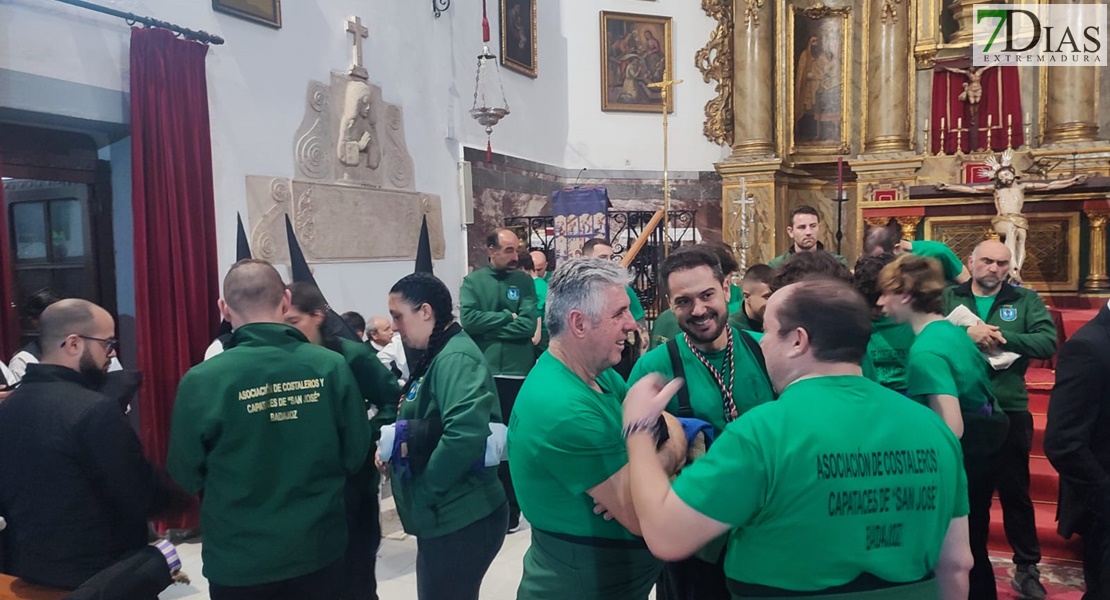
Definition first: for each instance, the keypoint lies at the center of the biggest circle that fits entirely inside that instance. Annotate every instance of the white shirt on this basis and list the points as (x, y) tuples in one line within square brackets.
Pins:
[(394, 354)]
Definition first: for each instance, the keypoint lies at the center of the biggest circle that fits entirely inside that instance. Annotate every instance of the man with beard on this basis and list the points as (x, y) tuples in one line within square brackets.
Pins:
[(75, 488), (566, 451), (1016, 320), (498, 310), (818, 491), (804, 229), (722, 367)]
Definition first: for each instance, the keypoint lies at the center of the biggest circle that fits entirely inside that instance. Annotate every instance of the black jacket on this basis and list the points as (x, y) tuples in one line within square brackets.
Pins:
[(75, 488), (1077, 439)]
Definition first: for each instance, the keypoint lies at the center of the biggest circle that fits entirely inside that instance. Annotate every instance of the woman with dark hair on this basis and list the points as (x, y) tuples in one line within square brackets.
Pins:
[(947, 372), (889, 348), (447, 491), (379, 390)]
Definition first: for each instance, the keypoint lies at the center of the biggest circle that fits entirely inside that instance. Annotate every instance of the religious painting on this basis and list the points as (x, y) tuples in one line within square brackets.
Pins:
[(635, 53), (518, 36), (266, 12), (819, 85)]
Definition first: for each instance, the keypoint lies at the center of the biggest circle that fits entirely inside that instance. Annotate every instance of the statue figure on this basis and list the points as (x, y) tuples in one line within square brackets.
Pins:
[(973, 89), (1009, 198), (358, 128)]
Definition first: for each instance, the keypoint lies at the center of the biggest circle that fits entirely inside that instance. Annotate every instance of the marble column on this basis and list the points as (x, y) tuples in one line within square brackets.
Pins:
[(964, 13), (1097, 278), (888, 78), (1071, 116), (753, 82)]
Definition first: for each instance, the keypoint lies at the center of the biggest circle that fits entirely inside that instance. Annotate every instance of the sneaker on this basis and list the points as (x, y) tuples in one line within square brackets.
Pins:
[(513, 527), (1027, 583)]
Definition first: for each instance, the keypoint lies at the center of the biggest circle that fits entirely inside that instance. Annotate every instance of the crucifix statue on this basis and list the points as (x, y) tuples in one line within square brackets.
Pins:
[(664, 89), (971, 96), (1009, 198), (355, 27), (743, 215)]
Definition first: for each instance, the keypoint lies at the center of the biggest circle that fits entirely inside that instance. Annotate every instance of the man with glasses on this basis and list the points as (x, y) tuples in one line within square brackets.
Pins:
[(75, 488)]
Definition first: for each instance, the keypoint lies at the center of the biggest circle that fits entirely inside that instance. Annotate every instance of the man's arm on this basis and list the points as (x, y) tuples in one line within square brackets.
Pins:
[(1081, 379), (955, 561), (948, 407), (191, 433), (522, 327), (475, 320), (113, 457), (349, 410), (964, 275), (1058, 184), (1039, 338), (378, 387), (963, 189)]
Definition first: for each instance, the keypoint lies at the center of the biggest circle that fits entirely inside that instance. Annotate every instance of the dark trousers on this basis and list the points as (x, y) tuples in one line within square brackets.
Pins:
[(140, 575), (325, 584), (1096, 559), (693, 579), (364, 535), (1012, 483), (451, 567), (980, 489), (507, 390)]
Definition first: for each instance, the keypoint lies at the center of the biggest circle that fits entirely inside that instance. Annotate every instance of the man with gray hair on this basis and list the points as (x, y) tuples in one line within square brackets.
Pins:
[(566, 452)]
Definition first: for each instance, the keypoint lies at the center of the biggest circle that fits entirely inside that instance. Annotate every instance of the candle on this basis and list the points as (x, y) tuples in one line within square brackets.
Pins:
[(1009, 120), (959, 123), (990, 120), (1027, 119), (839, 177), (942, 124), (926, 124)]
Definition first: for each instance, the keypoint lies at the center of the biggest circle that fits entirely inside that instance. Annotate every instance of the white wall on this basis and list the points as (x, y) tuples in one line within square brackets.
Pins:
[(257, 84)]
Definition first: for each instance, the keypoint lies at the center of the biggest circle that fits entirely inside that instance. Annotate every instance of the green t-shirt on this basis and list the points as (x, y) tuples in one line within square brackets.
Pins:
[(940, 252), (666, 326), (888, 351), (541, 295), (816, 506), (750, 385), (634, 305), (565, 438), (735, 299), (944, 360), (740, 320), (983, 305)]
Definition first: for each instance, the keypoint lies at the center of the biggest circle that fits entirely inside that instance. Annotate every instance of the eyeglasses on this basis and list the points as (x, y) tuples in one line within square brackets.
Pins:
[(110, 344)]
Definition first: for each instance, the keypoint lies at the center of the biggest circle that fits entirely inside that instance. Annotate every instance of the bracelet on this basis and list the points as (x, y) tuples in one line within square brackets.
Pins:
[(638, 426)]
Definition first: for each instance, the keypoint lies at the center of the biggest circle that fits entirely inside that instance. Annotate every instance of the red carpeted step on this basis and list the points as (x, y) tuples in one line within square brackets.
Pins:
[(1043, 480), (1052, 545), (1039, 384), (1039, 422)]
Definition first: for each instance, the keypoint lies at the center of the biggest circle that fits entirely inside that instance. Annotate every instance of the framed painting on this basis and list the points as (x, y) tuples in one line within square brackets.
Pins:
[(518, 36), (819, 52), (635, 52), (266, 12)]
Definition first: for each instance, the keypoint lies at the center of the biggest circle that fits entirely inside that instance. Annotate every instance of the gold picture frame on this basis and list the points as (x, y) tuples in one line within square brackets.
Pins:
[(817, 99), (518, 37), (633, 56), (265, 12)]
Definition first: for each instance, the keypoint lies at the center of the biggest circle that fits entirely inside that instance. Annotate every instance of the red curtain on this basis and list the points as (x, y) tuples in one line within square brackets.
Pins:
[(1001, 103), (176, 271), (9, 325)]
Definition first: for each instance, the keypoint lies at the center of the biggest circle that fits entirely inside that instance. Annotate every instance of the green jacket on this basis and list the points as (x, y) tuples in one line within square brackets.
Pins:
[(488, 300), (450, 493), (269, 431), (778, 260), (1028, 328), (378, 388)]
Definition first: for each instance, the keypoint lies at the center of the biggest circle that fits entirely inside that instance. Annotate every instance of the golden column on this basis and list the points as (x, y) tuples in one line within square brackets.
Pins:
[(753, 79), (1071, 115), (888, 81), (1097, 278), (909, 227), (963, 11)]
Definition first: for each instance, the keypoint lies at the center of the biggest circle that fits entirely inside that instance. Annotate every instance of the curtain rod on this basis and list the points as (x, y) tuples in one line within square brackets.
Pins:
[(199, 36)]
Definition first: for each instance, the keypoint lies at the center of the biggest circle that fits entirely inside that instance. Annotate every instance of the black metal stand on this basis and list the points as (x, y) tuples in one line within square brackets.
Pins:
[(200, 36), (839, 220)]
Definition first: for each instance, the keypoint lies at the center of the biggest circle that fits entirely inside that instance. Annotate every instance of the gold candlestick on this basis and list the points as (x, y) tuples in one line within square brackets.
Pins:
[(942, 131)]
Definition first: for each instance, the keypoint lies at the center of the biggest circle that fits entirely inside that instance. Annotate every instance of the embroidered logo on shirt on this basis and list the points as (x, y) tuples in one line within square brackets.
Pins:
[(411, 396), (514, 293), (1008, 313)]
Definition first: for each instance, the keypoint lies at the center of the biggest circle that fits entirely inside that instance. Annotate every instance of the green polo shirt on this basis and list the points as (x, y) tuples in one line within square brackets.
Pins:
[(944, 361), (814, 506), (888, 351)]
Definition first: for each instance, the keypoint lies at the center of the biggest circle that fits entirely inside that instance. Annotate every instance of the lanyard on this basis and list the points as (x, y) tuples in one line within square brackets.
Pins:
[(726, 389)]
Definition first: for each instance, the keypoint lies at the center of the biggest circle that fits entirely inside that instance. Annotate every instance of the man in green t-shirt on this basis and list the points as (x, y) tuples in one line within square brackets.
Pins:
[(724, 379), (566, 453), (1016, 320), (888, 351), (873, 507), (638, 341), (887, 240), (254, 429), (804, 230)]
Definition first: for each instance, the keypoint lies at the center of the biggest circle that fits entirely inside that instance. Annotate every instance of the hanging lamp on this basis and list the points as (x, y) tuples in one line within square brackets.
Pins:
[(490, 105)]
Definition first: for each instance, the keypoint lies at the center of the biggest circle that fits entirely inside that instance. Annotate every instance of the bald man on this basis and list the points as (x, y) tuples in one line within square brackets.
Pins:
[(387, 345), (268, 431), (1012, 319), (75, 488), (539, 259)]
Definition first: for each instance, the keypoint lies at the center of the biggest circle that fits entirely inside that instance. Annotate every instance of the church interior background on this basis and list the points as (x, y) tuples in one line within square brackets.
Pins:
[(783, 103)]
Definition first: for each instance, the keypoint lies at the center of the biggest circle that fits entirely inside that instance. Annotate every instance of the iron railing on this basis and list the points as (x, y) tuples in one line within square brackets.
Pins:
[(625, 227)]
